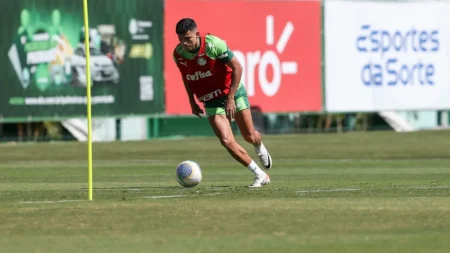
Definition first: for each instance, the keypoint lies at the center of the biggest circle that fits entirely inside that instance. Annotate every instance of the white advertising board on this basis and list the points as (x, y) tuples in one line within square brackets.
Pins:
[(387, 56)]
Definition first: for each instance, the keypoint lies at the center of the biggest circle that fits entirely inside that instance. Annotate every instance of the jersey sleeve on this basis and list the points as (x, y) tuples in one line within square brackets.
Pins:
[(218, 49)]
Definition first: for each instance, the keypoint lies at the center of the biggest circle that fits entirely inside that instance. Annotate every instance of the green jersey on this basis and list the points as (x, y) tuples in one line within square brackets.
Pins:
[(216, 48)]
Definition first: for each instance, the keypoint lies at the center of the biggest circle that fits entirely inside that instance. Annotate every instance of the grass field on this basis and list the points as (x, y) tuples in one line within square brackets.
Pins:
[(349, 193)]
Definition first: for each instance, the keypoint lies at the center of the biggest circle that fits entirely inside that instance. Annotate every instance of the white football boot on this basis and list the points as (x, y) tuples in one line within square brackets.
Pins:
[(264, 156), (260, 181)]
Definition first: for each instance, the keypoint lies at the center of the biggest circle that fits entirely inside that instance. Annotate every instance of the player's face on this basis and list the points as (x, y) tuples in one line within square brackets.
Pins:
[(188, 40)]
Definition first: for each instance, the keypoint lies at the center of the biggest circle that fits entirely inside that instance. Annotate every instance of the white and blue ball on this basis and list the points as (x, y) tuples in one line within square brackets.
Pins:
[(189, 174)]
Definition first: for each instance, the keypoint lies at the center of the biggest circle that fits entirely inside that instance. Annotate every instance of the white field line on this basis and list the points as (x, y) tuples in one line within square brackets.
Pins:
[(397, 188), (215, 194), (100, 161), (428, 187), (164, 197), (329, 190), (50, 201), (148, 197), (178, 196)]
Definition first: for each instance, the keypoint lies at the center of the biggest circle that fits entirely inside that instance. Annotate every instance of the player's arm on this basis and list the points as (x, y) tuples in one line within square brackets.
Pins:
[(235, 77), (196, 110), (224, 54), (186, 87), (189, 93)]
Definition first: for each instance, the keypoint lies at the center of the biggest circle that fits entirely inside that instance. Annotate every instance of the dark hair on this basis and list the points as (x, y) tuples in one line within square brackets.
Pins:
[(185, 25)]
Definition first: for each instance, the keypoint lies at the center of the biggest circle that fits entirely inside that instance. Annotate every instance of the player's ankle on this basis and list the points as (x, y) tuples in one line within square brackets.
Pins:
[(253, 167)]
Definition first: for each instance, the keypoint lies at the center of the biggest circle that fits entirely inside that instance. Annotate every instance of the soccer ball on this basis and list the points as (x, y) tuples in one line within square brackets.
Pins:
[(189, 174)]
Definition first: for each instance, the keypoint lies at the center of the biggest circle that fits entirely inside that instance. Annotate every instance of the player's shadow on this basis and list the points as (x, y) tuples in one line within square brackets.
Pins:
[(156, 187), (131, 188), (134, 188)]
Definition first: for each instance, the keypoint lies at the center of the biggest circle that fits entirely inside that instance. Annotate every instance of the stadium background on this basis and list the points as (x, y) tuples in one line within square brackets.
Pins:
[(321, 67), (295, 84)]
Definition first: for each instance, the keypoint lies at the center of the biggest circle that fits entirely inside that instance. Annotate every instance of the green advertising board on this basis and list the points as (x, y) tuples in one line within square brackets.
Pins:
[(43, 68)]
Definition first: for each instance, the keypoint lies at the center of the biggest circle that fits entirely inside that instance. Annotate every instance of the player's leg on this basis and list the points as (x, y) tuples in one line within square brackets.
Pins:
[(221, 127), (244, 121)]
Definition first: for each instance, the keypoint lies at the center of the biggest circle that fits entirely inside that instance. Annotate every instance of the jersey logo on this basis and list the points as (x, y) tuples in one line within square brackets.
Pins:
[(199, 75), (210, 96), (201, 61), (223, 56), (183, 63)]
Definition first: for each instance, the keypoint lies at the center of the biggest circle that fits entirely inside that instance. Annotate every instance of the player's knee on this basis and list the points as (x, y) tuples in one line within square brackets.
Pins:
[(227, 141), (251, 138)]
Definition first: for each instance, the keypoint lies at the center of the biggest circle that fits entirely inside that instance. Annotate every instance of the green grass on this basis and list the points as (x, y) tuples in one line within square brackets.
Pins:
[(352, 193)]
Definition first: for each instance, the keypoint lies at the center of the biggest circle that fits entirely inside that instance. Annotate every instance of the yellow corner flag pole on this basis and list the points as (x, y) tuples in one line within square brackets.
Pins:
[(88, 94)]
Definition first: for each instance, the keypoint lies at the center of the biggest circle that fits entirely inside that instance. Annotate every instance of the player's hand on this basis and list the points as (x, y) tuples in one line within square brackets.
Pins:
[(230, 109), (196, 110)]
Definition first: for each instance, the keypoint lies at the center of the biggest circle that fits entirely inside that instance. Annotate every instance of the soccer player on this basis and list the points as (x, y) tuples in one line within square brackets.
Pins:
[(212, 74)]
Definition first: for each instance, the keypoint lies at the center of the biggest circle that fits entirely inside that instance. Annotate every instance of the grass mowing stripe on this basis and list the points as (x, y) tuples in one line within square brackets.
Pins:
[(401, 205)]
